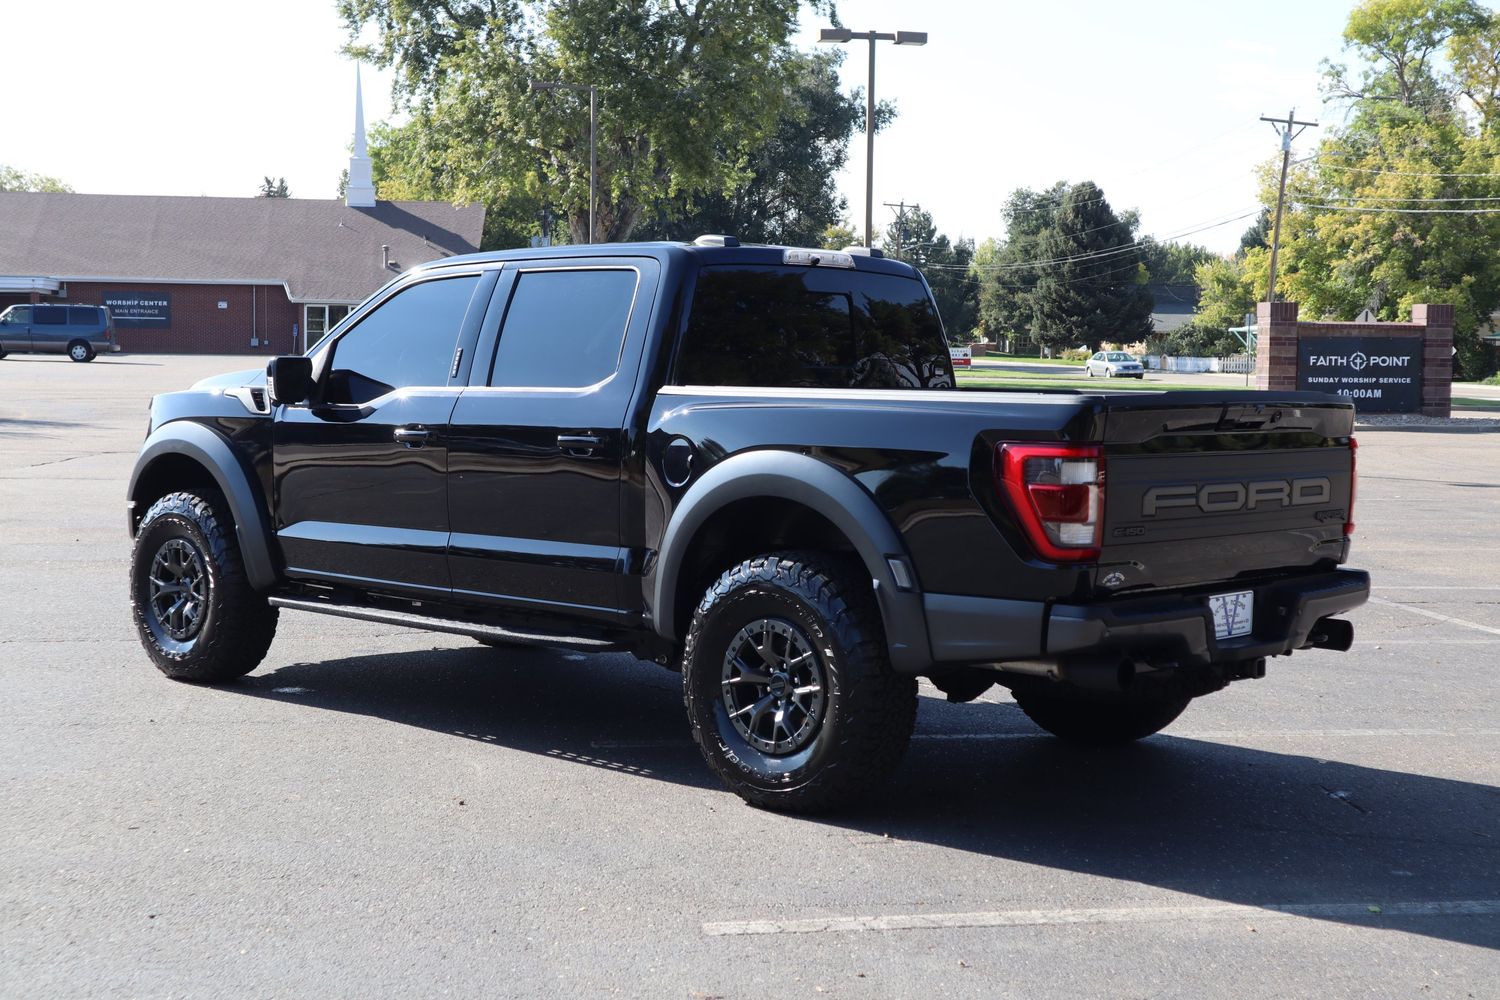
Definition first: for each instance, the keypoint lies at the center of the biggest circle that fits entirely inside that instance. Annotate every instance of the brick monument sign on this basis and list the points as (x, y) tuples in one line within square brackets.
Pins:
[(1379, 367)]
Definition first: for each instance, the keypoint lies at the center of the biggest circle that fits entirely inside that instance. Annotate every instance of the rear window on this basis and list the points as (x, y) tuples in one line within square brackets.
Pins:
[(786, 327), (564, 328), (83, 315), (51, 316)]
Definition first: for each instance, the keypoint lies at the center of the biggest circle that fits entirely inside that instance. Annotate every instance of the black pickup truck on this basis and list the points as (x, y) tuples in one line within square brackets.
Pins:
[(752, 465)]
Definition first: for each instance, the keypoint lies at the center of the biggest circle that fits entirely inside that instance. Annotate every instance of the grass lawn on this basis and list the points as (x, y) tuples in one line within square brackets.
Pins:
[(1022, 359), (1467, 402), (993, 379)]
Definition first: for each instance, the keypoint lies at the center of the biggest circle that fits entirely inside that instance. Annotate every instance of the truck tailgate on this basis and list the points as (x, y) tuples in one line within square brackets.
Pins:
[(1199, 494)]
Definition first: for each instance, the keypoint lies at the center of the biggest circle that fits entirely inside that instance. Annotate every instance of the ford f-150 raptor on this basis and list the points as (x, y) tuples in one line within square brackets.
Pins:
[(751, 464)]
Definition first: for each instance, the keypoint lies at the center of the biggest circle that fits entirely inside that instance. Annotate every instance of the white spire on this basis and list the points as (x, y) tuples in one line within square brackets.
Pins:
[(360, 191)]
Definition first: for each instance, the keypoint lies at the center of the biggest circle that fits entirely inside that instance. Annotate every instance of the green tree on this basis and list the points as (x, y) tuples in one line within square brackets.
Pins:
[(789, 193), (1088, 290), (273, 188), (838, 235), (1398, 40), (13, 179), (1172, 263), (1258, 235), (686, 91), (1393, 209), (1003, 269)]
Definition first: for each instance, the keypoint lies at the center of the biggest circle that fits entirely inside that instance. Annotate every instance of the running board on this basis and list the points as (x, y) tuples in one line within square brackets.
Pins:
[(427, 623)]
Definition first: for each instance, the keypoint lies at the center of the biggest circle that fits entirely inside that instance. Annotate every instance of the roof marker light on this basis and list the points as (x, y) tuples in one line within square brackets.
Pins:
[(819, 258)]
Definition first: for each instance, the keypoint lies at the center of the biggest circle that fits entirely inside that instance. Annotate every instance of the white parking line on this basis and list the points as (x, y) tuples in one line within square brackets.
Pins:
[(1436, 616), (1109, 915), (1423, 586)]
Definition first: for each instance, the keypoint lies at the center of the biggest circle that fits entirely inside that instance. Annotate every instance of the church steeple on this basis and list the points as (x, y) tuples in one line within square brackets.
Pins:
[(360, 191)]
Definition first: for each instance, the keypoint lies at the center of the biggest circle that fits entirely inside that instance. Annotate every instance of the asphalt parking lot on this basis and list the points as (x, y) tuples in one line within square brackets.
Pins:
[(385, 813)]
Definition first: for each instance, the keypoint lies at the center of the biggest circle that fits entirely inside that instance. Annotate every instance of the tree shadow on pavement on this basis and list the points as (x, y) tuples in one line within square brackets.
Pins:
[(1221, 822)]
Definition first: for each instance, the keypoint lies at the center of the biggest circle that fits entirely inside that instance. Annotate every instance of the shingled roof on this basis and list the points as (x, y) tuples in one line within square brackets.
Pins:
[(322, 251)]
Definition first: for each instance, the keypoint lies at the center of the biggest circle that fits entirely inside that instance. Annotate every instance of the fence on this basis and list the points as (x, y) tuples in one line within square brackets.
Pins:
[(1237, 364)]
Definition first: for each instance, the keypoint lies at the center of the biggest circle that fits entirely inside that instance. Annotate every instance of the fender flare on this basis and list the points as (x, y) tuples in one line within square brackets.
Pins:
[(210, 450), (823, 488)]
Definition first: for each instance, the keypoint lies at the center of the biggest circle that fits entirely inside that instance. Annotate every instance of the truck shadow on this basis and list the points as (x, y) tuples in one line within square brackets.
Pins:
[(1221, 822)]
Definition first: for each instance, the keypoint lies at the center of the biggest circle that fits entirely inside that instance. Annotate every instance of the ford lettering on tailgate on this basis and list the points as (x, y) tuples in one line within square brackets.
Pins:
[(1224, 498)]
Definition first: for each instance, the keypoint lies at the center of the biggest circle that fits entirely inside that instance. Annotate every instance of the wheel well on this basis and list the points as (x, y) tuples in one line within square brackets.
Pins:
[(168, 474), (743, 529)]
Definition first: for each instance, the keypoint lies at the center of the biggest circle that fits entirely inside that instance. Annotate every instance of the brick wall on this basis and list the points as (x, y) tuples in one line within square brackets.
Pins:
[(199, 326), (1278, 331)]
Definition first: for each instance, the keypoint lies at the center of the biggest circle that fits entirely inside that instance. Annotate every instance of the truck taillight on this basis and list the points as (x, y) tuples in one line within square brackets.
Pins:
[(1057, 492), (1353, 484)]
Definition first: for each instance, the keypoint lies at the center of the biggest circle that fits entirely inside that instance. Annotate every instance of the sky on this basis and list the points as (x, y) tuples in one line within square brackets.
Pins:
[(1155, 101)]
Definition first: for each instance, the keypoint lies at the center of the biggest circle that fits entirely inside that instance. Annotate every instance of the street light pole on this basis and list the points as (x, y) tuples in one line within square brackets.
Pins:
[(538, 85), (593, 156), (870, 150), (841, 36)]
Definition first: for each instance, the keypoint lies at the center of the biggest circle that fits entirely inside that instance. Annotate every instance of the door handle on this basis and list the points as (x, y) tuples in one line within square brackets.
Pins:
[(413, 437), (579, 444)]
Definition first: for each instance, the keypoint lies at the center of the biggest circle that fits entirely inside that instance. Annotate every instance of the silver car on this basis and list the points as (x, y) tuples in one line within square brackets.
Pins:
[(1114, 364), (80, 332)]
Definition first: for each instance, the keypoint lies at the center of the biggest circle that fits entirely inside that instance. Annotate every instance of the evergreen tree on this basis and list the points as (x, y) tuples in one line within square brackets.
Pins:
[(1089, 288), (273, 188)]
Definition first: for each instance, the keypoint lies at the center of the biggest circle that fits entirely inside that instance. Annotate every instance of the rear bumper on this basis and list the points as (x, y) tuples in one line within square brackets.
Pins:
[(1176, 628)]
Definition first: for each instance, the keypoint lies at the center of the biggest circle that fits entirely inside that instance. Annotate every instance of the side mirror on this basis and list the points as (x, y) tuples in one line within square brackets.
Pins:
[(289, 379)]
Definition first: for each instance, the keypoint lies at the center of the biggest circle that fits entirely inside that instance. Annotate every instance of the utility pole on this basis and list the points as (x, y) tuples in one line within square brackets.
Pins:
[(900, 208), (1287, 135)]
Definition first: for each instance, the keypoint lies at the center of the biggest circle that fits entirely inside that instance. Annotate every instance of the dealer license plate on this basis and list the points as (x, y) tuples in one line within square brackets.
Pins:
[(1233, 613)]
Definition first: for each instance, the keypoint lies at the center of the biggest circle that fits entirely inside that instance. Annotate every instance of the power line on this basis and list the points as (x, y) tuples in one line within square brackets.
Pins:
[(1376, 210), (1112, 251), (1371, 197), (1394, 173)]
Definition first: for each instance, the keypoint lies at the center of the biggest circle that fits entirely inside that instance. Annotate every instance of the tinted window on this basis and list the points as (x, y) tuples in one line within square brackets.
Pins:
[(83, 316), (51, 315), (828, 328), (564, 329), (407, 340)]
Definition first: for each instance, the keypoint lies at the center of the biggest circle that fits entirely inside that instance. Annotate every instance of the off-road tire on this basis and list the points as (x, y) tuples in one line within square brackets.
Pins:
[(1100, 721), (80, 350), (235, 625), (868, 710)]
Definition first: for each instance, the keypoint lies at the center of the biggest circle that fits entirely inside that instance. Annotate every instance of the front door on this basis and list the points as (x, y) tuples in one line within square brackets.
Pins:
[(15, 329), (360, 472), (536, 446)]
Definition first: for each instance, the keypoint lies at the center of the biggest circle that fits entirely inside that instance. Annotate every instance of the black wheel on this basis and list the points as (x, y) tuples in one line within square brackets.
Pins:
[(789, 687), (79, 350), (194, 608), (1100, 721)]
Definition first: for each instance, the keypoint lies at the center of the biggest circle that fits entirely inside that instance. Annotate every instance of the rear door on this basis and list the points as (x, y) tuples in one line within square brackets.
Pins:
[(537, 446), (360, 473), (1200, 493), (49, 328)]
